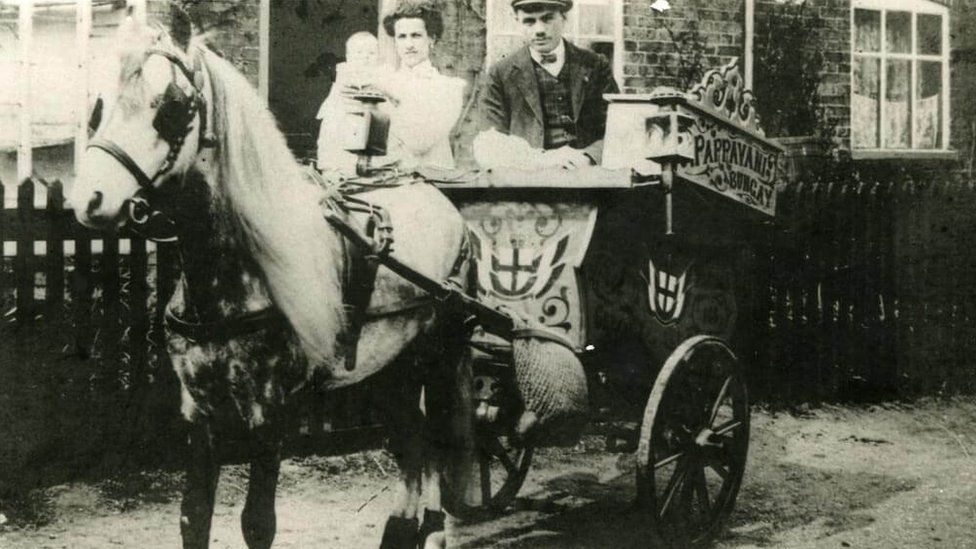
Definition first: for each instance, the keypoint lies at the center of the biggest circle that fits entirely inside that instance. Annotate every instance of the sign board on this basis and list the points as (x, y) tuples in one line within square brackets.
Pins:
[(710, 136)]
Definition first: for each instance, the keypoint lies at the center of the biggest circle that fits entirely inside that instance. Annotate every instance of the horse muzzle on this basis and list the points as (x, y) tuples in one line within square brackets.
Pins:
[(93, 211)]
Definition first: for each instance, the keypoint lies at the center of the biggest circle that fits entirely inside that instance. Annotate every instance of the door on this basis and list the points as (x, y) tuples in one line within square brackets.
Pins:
[(307, 40)]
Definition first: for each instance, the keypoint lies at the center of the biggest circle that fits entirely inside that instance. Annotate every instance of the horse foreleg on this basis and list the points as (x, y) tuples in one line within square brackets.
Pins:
[(200, 485), (447, 401), (401, 526), (431, 534), (401, 404), (258, 521)]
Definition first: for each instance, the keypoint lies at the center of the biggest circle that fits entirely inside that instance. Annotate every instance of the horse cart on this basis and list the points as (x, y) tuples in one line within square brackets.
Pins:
[(636, 267), (604, 293)]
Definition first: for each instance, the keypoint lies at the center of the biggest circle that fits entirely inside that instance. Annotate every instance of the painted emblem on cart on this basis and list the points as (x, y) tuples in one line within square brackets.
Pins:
[(512, 273), (666, 293)]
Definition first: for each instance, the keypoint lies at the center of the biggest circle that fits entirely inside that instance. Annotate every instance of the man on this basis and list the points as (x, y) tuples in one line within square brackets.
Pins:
[(550, 92)]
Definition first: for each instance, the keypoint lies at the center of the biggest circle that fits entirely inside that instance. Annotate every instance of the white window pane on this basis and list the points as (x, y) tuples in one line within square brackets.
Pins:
[(929, 34), (595, 20), (103, 60), (9, 92), (898, 31), (928, 109), (865, 103), (54, 78), (897, 104), (867, 30)]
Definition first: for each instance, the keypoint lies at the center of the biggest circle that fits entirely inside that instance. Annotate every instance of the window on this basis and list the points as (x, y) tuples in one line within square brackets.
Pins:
[(55, 57), (592, 24), (900, 75)]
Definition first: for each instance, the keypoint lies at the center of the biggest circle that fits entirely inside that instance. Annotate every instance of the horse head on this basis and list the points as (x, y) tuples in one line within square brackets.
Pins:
[(148, 131)]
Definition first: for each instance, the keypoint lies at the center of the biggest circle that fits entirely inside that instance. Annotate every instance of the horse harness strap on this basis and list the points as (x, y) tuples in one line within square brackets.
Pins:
[(176, 110), (224, 329), (360, 267)]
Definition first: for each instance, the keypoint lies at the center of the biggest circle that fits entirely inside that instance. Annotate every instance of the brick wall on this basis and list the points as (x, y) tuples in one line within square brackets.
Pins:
[(233, 24), (664, 48), (707, 33), (830, 21), (962, 67)]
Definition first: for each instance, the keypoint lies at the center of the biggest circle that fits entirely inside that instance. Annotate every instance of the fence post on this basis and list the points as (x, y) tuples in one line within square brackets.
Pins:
[(883, 315), (861, 363), (799, 348), (138, 321), (82, 291), (111, 306), (830, 292), (54, 294), (24, 261), (888, 272), (3, 262)]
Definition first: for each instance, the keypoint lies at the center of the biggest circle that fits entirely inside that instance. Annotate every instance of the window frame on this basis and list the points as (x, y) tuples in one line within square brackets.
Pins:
[(915, 7), (81, 101), (616, 37)]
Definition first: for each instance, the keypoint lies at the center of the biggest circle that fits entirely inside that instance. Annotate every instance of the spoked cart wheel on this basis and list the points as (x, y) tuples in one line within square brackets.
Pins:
[(693, 443), (500, 465)]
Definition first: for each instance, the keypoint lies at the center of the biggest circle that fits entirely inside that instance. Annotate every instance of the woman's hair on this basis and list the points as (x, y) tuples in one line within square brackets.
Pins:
[(425, 10)]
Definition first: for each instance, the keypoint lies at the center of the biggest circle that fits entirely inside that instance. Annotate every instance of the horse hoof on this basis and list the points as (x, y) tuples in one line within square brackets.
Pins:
[(431, 534), (400, 533), (436, 540)]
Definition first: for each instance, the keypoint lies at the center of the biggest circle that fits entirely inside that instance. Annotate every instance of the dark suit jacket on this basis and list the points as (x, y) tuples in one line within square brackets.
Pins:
[(510, 102)]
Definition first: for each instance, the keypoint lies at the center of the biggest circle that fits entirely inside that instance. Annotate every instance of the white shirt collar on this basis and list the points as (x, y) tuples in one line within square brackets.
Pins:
[(552, 68), (424, 69)]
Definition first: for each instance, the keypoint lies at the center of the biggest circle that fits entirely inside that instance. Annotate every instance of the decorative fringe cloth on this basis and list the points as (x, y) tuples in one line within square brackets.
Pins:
[(552, 383)]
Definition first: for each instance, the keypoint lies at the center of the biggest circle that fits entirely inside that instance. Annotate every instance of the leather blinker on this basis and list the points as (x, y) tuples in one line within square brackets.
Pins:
[(175, 113)]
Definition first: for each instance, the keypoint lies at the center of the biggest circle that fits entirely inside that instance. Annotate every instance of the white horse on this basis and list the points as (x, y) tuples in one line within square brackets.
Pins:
[(257, 319)]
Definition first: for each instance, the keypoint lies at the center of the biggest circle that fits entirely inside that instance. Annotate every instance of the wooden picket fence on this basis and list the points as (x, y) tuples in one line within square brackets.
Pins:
[(871, 291), (81, 321), (865, 291)]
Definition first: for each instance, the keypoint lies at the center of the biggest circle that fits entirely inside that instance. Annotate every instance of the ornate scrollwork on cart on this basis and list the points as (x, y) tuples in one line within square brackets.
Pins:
[(723, 92), (526, 256)]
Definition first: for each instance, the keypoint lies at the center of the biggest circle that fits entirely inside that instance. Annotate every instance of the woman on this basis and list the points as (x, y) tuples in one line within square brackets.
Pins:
[(423, 104)]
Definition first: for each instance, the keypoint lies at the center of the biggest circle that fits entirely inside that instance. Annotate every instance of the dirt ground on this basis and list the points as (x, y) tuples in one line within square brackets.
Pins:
[(890, 476)]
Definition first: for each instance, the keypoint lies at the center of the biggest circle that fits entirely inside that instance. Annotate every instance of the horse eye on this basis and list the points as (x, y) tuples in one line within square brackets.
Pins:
[(95, 120)]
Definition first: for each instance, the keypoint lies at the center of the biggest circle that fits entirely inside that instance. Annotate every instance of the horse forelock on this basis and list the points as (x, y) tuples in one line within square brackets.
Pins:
[(273, 212)]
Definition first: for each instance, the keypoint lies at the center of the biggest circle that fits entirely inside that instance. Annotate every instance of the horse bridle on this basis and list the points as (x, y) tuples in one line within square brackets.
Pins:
[(173, 119)]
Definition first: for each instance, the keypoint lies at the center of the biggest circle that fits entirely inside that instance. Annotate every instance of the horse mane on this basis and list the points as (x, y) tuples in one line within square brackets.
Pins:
[(273, 211)]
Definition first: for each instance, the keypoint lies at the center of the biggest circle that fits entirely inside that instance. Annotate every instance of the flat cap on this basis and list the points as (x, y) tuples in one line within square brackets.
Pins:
[(561, 5)]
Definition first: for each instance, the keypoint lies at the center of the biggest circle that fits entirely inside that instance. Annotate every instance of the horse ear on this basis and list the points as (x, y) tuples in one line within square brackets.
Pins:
[(129, 28), (181, 27)]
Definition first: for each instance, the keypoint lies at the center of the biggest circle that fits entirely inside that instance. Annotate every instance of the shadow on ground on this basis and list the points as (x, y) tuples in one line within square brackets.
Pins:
[(578, 511)]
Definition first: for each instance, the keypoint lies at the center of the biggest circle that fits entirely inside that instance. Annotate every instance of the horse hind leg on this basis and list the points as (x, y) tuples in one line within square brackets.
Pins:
[(258, 520), (200, 486)]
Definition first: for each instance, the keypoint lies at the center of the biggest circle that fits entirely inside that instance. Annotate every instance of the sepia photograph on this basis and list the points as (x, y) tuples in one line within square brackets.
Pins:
[(526, 274)]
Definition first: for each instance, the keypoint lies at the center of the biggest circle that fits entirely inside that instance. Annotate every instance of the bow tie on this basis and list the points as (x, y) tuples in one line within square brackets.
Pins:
[(547, 58)]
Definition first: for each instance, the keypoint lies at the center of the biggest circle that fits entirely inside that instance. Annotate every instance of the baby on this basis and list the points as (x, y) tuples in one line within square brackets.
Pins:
[(362, 56)]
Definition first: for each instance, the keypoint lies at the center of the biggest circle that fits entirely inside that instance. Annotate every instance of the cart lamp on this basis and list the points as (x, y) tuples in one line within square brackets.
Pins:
[(365, 129), (669, 139)]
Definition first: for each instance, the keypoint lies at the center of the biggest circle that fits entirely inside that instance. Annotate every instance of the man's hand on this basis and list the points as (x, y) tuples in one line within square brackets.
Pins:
[(567, 158)]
